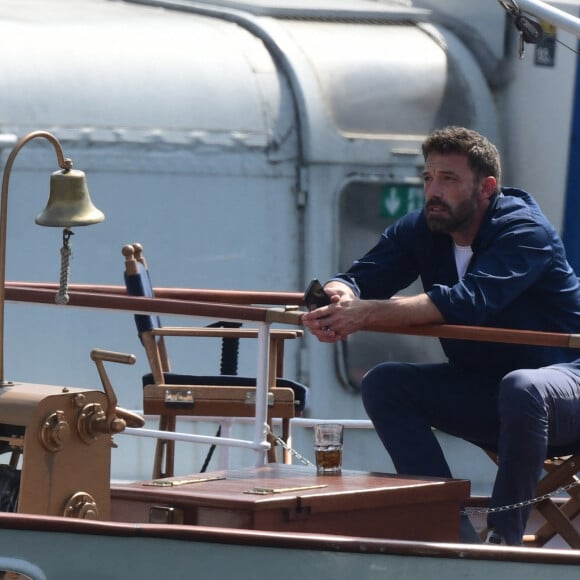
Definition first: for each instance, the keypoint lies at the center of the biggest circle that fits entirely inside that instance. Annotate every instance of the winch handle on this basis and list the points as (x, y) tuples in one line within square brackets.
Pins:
[(113, 412)]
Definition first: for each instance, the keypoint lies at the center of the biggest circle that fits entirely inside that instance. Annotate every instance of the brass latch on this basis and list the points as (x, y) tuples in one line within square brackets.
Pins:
[(251, 398), (165, 515), (180, 399)]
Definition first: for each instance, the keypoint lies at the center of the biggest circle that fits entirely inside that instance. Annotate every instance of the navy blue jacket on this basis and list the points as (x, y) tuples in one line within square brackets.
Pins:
[(518, 278)]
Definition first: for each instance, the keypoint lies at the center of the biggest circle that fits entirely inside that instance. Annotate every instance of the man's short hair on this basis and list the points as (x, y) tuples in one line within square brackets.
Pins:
[(482, 155)]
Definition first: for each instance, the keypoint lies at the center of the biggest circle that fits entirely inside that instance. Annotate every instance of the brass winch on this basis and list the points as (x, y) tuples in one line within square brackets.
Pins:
[(62, 437)]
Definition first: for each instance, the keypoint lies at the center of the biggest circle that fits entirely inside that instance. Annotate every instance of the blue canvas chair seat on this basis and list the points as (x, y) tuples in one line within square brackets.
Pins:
[(222, 395)]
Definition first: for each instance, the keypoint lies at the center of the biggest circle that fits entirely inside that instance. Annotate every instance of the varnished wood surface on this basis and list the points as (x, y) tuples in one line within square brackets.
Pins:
[(364, 489), (95, 296), (353, 503), (212, 401), (257, 297)]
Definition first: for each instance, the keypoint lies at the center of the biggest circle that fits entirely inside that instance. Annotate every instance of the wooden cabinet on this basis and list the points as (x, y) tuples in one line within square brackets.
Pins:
[(289, 498)]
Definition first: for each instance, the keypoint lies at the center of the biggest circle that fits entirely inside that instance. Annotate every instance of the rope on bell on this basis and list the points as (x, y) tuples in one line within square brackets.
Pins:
[(62, 296)]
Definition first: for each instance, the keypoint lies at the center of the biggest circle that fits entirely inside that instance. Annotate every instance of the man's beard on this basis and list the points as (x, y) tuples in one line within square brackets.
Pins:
[(455, 219)]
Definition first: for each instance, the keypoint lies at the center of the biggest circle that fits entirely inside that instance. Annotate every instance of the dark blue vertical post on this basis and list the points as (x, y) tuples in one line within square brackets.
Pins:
[(571, 228)]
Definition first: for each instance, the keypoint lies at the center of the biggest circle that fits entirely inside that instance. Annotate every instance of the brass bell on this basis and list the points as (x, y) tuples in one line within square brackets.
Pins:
[(69, 203)]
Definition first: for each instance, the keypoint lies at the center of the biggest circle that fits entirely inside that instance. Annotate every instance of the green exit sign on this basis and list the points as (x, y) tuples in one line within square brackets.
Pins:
[(398, 199)]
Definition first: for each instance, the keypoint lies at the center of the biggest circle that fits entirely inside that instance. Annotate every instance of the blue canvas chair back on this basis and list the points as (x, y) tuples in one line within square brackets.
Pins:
[(140, 285)]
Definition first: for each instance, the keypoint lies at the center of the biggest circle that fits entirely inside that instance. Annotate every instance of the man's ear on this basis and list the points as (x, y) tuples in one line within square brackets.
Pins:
[(488, 185)]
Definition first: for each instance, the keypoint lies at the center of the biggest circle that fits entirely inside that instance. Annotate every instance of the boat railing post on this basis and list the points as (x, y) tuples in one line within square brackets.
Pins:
[(21, 567), (261, 416)]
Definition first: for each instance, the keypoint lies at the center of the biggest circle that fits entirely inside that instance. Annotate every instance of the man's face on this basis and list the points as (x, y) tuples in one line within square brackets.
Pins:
[(451, 193)]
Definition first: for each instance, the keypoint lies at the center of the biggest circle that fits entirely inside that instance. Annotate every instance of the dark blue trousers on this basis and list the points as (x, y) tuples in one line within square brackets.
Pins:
[(518, 416)]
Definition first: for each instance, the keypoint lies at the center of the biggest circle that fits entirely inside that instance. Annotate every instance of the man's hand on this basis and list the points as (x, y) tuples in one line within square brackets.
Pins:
[(346, 313), (343, 316)]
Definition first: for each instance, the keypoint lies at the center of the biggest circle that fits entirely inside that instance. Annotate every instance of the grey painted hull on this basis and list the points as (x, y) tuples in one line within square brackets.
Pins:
[(73, 549)]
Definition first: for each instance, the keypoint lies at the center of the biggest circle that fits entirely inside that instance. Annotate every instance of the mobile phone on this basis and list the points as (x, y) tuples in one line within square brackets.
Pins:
[(315, 296)]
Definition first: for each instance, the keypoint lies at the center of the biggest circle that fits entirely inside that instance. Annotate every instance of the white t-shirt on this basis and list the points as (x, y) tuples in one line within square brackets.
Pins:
[(462, 257)]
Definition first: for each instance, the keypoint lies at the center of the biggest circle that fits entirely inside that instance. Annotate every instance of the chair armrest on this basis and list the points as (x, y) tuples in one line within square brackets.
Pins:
[(277, 338), (202, 331)]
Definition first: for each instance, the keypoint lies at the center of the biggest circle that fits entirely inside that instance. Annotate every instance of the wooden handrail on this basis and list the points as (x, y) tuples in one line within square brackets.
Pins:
[(97, 297), (138, 304), (200, 295), (484, 334)]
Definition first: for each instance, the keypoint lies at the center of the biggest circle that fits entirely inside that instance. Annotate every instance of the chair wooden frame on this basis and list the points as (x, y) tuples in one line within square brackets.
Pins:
[(561, 472), (169, 401)]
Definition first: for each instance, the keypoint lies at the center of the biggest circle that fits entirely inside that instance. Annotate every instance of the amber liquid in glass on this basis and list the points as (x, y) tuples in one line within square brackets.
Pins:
[(328, 458)]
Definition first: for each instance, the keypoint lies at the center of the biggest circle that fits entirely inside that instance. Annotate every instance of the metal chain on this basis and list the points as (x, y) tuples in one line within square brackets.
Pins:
[(287, 447), (520, 504)]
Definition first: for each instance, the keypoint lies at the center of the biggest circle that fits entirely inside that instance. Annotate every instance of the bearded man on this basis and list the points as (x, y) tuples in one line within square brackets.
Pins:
[(486, 255)]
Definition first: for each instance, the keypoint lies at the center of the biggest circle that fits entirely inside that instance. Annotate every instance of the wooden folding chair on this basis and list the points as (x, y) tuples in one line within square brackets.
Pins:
[(169, 395), (561, 468)]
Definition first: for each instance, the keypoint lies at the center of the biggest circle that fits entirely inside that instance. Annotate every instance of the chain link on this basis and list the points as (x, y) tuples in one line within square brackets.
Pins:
[(287, 447), (520, 504)]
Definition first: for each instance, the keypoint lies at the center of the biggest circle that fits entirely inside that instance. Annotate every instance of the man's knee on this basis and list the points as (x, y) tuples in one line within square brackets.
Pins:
[(379, 384), (520, 395)]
